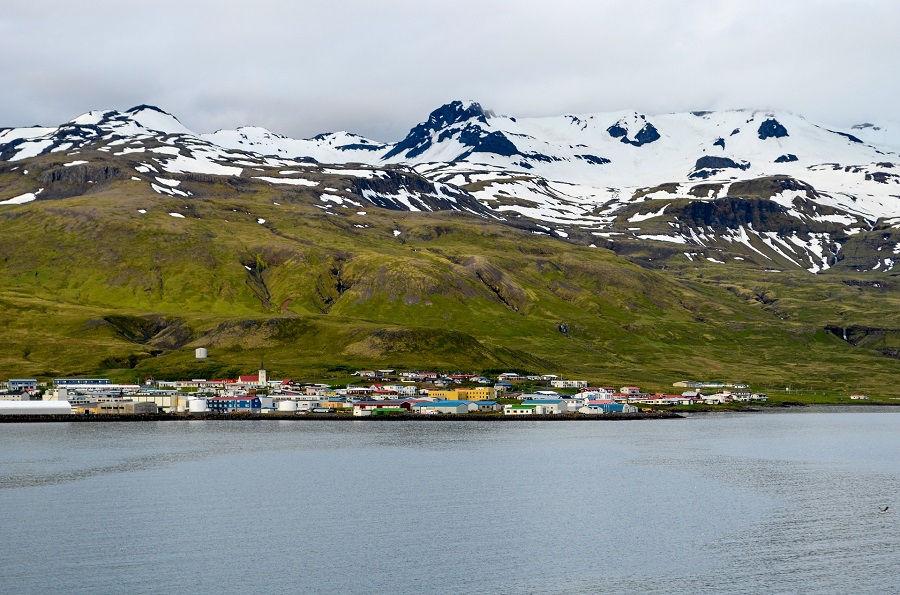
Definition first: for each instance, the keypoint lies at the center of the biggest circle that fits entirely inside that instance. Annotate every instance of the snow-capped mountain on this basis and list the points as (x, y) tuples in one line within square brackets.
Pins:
[(154, 145), (770, 188)]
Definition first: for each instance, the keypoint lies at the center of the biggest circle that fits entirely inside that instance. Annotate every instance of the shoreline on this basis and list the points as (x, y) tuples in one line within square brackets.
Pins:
[(335, 417), (339, 417)]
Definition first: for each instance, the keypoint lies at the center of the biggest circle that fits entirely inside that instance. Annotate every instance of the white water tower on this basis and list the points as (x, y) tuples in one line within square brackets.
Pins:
[(197, 405), (287, 406), (200, 353)]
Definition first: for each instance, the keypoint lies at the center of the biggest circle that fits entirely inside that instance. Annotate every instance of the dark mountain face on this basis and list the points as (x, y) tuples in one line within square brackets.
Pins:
[(646, 135), (419, 138), (423, 195), (481, 142), (732, 213)]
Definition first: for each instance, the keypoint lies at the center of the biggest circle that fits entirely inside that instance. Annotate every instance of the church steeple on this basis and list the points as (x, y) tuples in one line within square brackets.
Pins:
[(263, 381)]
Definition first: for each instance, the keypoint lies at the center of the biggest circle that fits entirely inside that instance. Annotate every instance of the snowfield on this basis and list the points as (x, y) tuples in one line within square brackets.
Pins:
[(619, 175)]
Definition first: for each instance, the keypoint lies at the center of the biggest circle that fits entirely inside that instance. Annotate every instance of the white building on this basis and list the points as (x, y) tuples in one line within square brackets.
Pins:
[(15, 397), (35, 408), (597, 393), (403, 390), (568, 383), (165, 400), (548, 406), (17, 384)]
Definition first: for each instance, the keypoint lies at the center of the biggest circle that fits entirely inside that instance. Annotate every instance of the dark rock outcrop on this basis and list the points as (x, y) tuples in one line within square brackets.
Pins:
[(593, 159), (384, 191), (646, 135), (710, 165), (772, 128)]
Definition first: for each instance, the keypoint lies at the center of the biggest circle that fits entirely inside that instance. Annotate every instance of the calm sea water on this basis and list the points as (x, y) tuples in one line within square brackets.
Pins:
[(736, 503)]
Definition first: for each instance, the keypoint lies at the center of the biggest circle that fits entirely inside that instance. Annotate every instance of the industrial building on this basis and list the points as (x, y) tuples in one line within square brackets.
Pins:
[(35, 408), (80, 382), (127, 408)]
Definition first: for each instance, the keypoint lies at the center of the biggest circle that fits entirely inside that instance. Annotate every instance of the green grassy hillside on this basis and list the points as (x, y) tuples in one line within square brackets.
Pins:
[(93, 286)]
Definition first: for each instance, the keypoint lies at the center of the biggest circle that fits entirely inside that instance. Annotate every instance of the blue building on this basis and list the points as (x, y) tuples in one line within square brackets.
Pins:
[(608, 407), (70, 382), (443, 407), (238, 404)]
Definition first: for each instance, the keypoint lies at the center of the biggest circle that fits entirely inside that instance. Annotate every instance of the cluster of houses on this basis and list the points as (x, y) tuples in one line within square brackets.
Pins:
[(380, 392)]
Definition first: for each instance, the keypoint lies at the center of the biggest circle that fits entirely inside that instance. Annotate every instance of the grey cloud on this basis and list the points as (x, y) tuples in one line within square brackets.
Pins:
[(378, 67)]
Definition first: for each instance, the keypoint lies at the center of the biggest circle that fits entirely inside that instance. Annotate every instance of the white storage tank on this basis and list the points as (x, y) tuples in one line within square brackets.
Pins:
[(200, 353), (288, 406), (197, 406)]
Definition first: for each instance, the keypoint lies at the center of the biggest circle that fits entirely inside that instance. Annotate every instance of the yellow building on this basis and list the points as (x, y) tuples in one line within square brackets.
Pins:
[(483, 393), (444, 395), (337, 404)]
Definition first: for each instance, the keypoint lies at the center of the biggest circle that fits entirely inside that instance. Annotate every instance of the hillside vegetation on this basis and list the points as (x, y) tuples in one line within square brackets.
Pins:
[(93, 286)]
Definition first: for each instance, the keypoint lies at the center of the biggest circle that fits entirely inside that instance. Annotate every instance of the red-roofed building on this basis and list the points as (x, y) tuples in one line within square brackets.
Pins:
[(461, 377), (260, 379)]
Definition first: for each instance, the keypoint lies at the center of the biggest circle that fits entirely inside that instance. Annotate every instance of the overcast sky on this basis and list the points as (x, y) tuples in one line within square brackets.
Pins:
[(378, 67)]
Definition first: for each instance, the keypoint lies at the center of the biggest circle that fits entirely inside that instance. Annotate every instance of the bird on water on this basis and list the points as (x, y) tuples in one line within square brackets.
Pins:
[(883, 510)]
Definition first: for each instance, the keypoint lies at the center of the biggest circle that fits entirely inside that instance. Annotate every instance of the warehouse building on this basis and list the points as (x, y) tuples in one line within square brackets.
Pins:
[(126, 407), (35, 408)]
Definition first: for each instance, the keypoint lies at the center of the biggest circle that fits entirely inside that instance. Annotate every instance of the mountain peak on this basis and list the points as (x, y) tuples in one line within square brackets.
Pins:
[(420, 138), (458, 111), (145, 107), (153, 118), (93, 117)]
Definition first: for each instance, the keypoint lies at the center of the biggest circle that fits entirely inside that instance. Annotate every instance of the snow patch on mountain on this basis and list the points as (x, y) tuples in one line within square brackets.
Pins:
[(21, 199), (287, 181), (643, 217)]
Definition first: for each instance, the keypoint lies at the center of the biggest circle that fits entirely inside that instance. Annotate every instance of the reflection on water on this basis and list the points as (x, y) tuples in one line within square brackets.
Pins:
[(739, 503)]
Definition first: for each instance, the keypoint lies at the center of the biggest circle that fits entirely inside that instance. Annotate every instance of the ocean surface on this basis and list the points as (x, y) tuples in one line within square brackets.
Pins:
[(782, 502)]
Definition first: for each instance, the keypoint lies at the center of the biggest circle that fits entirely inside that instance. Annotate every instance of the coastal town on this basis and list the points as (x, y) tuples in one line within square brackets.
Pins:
[(383, 392)]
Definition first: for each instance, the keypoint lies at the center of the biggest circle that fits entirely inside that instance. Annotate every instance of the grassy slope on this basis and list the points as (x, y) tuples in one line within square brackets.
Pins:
[(450, 292)]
